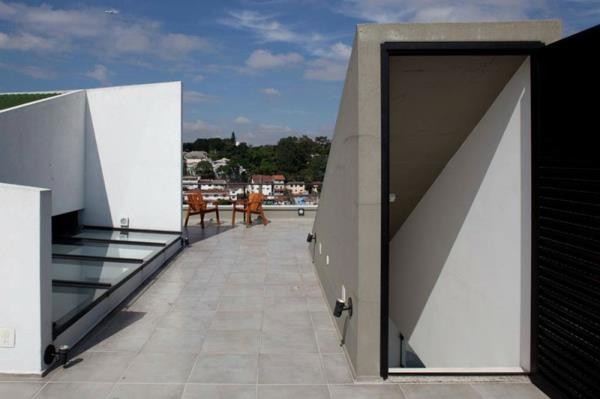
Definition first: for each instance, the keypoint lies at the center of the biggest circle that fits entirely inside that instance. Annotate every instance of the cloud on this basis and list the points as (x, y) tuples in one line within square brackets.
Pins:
[(337, 51), (264, 59), (201, 127), (267, 29), (94, 30), (26, 42), (99, 73), (192, 96), (242, 120), (264, 26), (270, 91), (198, 78), (30, 70), (323, 69), (386, 11)]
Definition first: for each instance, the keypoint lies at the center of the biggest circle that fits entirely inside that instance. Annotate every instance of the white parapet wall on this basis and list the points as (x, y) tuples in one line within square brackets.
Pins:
[(459, 272), (42, 145), (25, 267), (133, 156)]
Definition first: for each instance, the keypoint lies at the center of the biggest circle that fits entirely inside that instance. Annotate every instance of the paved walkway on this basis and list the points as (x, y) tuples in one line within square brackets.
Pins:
[(238, 315)]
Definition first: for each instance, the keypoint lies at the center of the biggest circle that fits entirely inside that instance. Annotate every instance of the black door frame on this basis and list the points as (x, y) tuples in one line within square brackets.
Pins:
[(393, 49)]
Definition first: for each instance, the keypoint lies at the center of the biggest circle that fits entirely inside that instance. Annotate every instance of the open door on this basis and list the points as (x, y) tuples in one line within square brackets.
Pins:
[(566, 218)]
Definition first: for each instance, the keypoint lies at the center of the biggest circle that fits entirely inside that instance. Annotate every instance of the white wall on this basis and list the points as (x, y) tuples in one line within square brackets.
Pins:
[(460, 263), (25, 267), (133, 156), (42, 145)]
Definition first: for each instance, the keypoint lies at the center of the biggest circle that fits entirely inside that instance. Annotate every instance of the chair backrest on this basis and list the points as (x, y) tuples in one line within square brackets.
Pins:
[(195, 200), (255, 201)]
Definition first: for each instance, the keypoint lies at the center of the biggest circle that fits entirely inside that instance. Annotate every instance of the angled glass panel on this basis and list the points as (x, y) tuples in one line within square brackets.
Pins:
[(106, 250), (67, 302), (135, 236), (91, 271)]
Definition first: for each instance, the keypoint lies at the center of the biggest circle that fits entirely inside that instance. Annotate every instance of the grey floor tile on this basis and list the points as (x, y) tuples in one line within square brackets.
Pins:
[(374, 391), (286, 321), (186, 320), (72, 390), (235, 320), (225, 368), (19, 390), (284, 290), (328, 341), (243, 290), (243, 341), (246, 278), (288, 342), (159, 368), (316, 304), (174, 341), (283, 278), (508, 391), (322, 320), (286, 304), (284, 369), (439, 391), (146, 391), (337, 370), (95, 367), (197, 391), (238, 303), (293, 392)]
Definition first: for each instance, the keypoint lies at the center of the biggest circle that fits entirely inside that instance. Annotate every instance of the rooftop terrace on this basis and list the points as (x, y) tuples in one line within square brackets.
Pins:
[(238, 314)]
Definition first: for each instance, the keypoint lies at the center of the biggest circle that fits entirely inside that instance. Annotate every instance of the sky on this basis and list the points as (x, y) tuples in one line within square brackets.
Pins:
[(265, 69)]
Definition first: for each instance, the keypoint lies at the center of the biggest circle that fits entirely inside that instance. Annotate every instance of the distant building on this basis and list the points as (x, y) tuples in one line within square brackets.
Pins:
[(212, 184), (296, 187), (219, 163), (189, 183), (236, 190), (192, 159), (261, 184), (278, 183)]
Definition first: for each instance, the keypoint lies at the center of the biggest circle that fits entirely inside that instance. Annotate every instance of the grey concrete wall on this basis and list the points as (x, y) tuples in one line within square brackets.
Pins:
[(348, 220)]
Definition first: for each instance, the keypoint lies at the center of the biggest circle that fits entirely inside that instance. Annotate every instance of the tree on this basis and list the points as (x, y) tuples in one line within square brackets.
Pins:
[(233, 137), (205, 170)]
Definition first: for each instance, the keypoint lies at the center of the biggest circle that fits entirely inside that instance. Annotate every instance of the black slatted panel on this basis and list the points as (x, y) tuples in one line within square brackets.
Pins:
[(566, 222)]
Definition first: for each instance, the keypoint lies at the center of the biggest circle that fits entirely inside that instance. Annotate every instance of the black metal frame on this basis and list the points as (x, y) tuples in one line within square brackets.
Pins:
[(110, 288), (391, 49)]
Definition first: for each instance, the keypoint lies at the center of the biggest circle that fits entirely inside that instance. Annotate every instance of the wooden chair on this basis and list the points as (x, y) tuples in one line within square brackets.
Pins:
[(253, 205), (197, 206)]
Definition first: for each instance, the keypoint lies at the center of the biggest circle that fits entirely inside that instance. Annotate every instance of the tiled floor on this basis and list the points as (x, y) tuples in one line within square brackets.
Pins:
[(238, 315)]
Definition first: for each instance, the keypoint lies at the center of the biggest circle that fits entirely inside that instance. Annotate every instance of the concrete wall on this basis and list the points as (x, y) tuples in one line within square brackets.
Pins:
[(336, 223), (133, 156), (460, 260), (25, 267), (348, 222), (42, 145)]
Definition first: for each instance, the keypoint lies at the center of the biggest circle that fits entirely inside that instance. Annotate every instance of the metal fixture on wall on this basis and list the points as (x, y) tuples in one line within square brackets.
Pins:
[(300, 211), (341, 306)]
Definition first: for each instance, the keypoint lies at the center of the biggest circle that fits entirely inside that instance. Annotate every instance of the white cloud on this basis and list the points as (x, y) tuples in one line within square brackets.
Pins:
[(25, 42), (270, 91), (337, 51), (99, 73), (192, 96), (198, 78), (264, 26), (94, 30), (264, 59), (30, 70), (323, 69), (385, 11), (201, 127), (242, 120)]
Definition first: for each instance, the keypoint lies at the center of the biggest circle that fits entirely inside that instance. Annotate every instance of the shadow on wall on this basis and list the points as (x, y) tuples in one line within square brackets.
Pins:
[(436, 222), (95, 187)]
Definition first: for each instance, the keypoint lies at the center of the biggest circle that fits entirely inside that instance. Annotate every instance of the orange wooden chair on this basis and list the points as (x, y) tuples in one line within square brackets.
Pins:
[(197, 206), (251, 206)]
